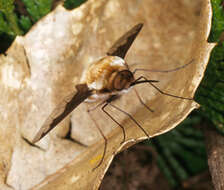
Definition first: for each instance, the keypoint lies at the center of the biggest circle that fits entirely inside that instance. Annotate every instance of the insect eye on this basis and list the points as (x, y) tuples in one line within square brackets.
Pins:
[(123, 80), (118, 82)]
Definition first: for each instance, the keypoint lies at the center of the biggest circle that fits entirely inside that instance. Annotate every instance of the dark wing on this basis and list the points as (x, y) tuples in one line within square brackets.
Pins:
[(63, 109), (122, 45)]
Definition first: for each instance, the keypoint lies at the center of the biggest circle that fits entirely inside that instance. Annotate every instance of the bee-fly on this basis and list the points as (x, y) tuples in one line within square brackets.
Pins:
[(104, 80)]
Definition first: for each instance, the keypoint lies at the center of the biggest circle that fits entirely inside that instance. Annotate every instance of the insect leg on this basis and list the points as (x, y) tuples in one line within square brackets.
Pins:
[(94, 107), (124, 134), (68, 136), (164, 71), (130, 116), (141, 101), (160, 91), (104, 137)]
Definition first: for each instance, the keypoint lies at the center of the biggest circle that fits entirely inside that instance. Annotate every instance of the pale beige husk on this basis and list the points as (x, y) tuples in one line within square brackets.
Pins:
[(45, 65)]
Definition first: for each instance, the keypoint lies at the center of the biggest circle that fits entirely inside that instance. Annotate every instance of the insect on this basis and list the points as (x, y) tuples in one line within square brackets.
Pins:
[(105, 80)]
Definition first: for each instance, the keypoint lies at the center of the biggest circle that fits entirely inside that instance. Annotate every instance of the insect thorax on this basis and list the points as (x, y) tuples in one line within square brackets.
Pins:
[(101, 76)]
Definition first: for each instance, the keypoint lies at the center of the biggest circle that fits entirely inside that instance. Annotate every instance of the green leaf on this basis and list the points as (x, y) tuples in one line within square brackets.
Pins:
[(10, 22), (181, 153), (6, 6), (37, 8), (217, 20), (44, 6), (25, 23), (71, 4), (210, 94), (4, 27)]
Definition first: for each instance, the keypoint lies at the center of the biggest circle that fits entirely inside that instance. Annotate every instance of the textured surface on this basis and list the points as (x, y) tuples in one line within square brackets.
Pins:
[(44, 66), (215, 144)]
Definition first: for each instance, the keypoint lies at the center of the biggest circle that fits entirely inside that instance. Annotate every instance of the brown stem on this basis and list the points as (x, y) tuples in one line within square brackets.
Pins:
[(215, 152)]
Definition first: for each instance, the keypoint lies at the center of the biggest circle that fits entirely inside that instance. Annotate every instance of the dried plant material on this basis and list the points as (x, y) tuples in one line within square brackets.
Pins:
[(43, 67), (104, 81)]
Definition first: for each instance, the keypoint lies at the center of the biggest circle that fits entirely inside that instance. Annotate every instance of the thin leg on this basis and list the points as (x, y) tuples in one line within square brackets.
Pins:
[(124, 135), (138, 81), (105, 140), (68, 136), (164, 93), (141, 101), (101, 132), (165, 71), (105, 102), (130, 118), (94, 107)]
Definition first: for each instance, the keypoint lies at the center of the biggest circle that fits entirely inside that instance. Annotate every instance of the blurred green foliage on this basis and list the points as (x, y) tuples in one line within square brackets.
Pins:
[(181, 152), (18, 16), (37, 8), (14, 23), (70, 4), (210, 94), (217, 20), (8, 19)]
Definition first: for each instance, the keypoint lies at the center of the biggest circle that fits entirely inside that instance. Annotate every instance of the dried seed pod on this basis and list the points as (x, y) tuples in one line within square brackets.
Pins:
[(41, 68)]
